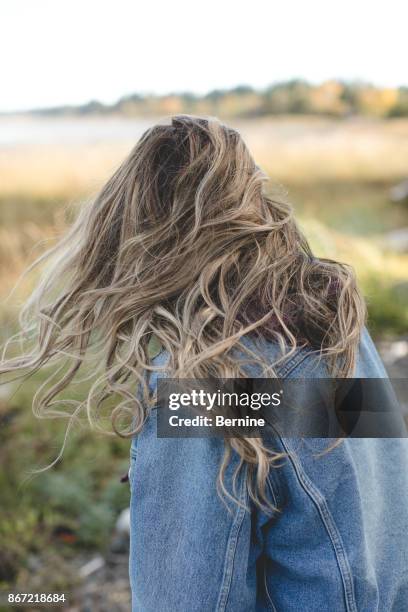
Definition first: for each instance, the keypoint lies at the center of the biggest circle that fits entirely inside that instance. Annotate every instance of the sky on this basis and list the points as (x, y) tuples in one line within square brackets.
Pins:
[(56, 52)]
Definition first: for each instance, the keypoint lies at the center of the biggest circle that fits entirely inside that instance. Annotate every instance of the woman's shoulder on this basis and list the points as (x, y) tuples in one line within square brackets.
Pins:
[(302, 362), (308, 362)]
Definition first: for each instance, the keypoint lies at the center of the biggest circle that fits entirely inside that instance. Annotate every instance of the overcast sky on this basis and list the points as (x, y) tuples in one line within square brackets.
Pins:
[(70, 51)]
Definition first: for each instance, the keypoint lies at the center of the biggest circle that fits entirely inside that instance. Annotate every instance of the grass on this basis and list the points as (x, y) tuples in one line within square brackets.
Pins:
[(382, 275), (69, 508)]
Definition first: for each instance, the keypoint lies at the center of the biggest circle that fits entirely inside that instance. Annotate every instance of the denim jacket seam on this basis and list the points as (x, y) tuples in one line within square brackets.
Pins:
[(231, 550), (293, 362), (270, 604), (331, 528), (272, 490), (275, 486)]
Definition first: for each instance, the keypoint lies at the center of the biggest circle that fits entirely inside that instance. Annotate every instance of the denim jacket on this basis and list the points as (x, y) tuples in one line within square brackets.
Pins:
[(338, 542)]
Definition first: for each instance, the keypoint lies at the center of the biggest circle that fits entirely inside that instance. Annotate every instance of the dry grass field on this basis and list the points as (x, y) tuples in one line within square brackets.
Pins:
[(337, 174)]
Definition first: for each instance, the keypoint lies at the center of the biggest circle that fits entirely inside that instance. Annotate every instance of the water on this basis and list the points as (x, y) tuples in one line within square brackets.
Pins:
[(26, 130)]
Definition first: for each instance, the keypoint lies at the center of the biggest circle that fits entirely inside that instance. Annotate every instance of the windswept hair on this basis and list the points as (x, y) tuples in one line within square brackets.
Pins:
[(184, 249)]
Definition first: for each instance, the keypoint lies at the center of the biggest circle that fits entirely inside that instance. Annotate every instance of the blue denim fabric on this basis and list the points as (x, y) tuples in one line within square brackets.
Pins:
[(339, 542)]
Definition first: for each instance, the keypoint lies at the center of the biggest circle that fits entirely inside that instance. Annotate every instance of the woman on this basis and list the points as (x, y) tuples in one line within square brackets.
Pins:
[(183, 266)]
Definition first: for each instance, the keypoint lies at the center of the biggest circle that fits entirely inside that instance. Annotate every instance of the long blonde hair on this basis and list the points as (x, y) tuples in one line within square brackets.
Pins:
[(183, 247)]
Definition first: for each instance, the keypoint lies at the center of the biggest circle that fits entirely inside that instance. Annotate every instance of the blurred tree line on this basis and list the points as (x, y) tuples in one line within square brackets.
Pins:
[(332, 98)]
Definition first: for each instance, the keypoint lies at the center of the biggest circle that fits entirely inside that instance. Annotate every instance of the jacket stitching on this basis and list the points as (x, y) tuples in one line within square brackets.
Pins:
[(292, 363), (272, 490), (231, 551), (271, 605), (331, 528)]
